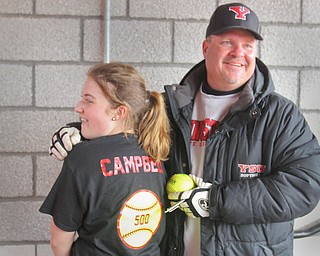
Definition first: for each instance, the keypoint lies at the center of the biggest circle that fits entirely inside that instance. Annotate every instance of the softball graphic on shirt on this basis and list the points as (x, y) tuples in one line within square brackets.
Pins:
[(139, 218)]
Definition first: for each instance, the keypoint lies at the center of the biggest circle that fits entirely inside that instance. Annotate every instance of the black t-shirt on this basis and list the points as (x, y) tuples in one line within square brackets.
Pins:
[(112, 194)]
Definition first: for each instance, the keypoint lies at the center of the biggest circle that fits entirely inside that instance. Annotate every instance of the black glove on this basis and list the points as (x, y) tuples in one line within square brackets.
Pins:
[(63, 141), (196, 201)]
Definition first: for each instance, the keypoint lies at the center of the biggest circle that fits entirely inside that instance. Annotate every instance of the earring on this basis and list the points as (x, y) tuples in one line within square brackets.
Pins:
[(113, 118)]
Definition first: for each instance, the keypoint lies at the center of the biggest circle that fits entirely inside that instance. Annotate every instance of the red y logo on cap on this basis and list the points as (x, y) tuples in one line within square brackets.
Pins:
[(240, 12)]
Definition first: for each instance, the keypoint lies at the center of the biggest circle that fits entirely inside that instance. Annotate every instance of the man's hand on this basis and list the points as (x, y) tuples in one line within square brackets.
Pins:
[(63, 141), (196, 201), (199, 181)]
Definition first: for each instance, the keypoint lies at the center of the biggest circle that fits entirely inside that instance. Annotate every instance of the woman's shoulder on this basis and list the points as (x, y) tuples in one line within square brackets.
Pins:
[(109, 143)]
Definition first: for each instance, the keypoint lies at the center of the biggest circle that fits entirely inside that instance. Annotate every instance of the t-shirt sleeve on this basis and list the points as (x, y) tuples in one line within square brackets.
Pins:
[(63, 202)]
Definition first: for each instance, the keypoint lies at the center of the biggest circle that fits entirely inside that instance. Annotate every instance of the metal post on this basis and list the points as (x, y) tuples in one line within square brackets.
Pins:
[(107, 32)]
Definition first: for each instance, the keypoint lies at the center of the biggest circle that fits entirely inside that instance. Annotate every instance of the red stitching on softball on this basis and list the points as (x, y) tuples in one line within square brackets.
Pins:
[(142, 209), (135, 231)]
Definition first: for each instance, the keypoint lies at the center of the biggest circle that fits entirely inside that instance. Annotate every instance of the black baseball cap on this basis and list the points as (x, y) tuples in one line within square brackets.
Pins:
[(233, 16)]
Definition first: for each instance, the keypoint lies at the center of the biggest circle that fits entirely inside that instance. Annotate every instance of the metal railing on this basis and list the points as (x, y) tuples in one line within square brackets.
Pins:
[(308, 230)]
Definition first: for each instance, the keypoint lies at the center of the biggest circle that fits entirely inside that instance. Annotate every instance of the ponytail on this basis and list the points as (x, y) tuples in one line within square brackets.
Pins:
[(154, 129)]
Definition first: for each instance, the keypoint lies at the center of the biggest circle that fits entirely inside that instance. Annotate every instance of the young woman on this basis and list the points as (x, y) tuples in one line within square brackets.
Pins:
[(109, 196)]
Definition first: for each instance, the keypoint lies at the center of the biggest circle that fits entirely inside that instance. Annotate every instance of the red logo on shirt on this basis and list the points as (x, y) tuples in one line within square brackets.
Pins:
[(202, 129)]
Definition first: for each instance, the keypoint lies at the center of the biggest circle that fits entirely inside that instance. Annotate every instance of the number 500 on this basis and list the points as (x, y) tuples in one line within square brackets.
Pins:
[(141, 219)]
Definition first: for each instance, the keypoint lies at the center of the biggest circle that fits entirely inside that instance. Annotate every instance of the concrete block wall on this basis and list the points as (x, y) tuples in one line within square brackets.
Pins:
[(46, 47)]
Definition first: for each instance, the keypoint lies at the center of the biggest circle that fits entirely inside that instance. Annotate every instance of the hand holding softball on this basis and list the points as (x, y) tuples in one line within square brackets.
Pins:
[(193, 201)]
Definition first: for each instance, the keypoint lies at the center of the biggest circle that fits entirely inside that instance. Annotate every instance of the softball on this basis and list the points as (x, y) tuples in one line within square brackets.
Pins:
[(180, 182)]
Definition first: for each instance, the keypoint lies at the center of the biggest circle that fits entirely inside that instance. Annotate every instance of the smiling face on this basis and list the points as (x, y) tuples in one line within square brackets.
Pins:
[(230, 59), (96, 112)]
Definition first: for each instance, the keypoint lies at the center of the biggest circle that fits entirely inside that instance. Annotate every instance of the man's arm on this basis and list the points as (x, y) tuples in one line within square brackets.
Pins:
[(61, 241), (290, 191)]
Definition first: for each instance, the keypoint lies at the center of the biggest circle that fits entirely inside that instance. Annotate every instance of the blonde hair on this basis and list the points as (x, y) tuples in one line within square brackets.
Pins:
[(124, 86)]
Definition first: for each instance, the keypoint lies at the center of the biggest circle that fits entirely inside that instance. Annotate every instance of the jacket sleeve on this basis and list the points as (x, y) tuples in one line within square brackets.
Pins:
[(291, 190)]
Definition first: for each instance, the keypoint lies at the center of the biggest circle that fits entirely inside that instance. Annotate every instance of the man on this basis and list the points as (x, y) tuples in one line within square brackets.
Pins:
[(249, 149)]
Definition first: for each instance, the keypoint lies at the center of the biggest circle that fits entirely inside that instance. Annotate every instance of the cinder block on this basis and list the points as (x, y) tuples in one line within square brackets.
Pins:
[(16, 6), (310, 12), (47, 172), (22, 221), (59, 85), (188, 38), (313, 120), (157, 77), (118, 8), (30, 131), (310, 89), (93, 45), (44, 250), (168, 9), (16, 176), (274, 11), (141, 41), (286, 83), (40, 39), (286, 46), (16, 78), (79, 8), (70, 7), (17, 250)]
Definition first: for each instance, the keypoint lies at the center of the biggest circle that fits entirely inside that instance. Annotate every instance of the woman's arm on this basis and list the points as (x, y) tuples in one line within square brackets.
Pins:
[(61, 241)]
